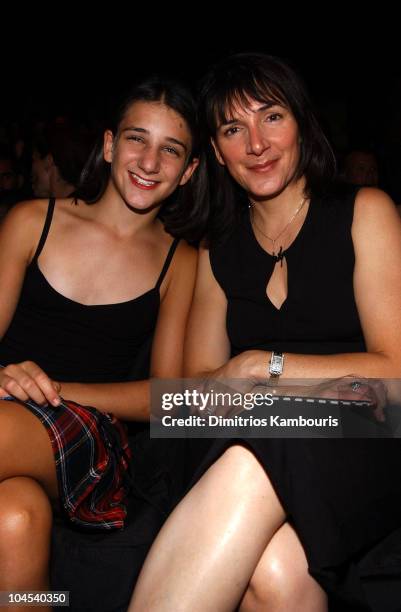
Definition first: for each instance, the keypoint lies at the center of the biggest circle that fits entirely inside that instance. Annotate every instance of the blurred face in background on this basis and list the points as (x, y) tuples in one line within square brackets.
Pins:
[(361, 169), (8, 176), (41, 175)]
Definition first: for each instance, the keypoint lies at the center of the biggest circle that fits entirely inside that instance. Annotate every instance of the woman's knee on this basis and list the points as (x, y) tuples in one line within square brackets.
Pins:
[(243, 464), (25, 511), (281, 581), (274, 585)]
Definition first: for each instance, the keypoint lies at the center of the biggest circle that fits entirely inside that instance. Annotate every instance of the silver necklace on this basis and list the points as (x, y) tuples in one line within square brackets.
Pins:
[(280, 254)]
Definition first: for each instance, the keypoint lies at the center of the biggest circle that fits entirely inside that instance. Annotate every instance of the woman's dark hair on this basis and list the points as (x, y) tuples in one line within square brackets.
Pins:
[(69, 143), (266, 79), (182, 213)]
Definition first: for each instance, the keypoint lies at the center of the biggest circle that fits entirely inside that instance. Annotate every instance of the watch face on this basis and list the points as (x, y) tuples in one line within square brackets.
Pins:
[(276, 364)]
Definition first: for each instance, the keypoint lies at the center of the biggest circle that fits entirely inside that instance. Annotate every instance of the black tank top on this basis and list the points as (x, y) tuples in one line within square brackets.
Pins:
[(319, 315), (79, 343)]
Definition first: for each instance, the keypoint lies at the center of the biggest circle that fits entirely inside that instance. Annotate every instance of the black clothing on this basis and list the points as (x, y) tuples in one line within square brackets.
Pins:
[(319, 315), (343, 496), (76, 342), (102, 343)]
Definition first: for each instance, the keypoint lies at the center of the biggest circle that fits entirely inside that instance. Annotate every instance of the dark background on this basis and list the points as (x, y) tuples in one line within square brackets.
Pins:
[(355, 82), (71, 66)]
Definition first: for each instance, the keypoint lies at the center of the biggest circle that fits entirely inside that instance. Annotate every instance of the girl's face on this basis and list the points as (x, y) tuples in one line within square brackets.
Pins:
[(149, 155), (260, 148)]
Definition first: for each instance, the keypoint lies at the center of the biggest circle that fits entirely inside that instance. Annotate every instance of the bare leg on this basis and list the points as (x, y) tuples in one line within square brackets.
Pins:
[(25, 528), (25, 451), (209, 548), (25, 448), (281, 582)]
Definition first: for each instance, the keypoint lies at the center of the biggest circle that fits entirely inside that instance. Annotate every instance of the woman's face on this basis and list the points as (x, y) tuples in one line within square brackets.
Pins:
[(260, 148), (149, 155)]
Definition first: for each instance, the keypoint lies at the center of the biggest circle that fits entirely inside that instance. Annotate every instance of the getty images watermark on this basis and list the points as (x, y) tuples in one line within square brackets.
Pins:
[(344, 407)]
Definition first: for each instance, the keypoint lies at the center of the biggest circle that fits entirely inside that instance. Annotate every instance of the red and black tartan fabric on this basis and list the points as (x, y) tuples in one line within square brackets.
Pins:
[(92, 461)]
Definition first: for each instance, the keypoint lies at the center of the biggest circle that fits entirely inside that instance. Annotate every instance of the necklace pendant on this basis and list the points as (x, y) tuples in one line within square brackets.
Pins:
[(279, 257), (280, 254)]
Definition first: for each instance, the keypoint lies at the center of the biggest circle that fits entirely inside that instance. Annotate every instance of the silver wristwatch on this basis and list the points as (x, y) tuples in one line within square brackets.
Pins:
[(276, 365)]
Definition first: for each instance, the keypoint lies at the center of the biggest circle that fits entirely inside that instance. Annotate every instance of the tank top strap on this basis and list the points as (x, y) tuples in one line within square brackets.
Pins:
[(46, 227), (167, 262)]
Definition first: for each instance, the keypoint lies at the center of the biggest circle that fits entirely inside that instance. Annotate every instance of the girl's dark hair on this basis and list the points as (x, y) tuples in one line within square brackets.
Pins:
[(266, 79), (182, 212)]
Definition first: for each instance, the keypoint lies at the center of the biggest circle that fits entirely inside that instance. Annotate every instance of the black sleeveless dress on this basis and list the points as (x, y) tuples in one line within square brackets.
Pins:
[(102, 343), (78, 342), (343, 496)]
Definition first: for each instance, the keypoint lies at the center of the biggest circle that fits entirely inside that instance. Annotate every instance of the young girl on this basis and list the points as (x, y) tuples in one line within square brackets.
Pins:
[(86, 284)]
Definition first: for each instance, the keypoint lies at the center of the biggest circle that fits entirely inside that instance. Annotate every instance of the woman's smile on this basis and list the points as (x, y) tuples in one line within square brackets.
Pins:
[(142, 183)]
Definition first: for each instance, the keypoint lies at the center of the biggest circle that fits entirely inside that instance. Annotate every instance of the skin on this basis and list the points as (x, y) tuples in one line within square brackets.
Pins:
[(260, 148), (124, 222), (25, 526)]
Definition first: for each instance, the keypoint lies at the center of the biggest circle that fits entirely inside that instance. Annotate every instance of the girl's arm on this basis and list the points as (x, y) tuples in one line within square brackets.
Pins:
[(127, 400), (19, 235), (131, 400)]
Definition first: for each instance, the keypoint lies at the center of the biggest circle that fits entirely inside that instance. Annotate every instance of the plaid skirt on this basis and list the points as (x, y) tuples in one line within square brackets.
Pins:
[(92, 462)]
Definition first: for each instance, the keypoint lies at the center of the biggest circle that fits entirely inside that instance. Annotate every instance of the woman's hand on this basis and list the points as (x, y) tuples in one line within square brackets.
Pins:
[(243, 366), (27, 380), (236, 379), (357, 389), (351, 388)]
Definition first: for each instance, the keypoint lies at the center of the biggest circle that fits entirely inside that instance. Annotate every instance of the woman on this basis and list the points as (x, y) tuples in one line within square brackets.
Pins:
[(304, 283), (86, 285)]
